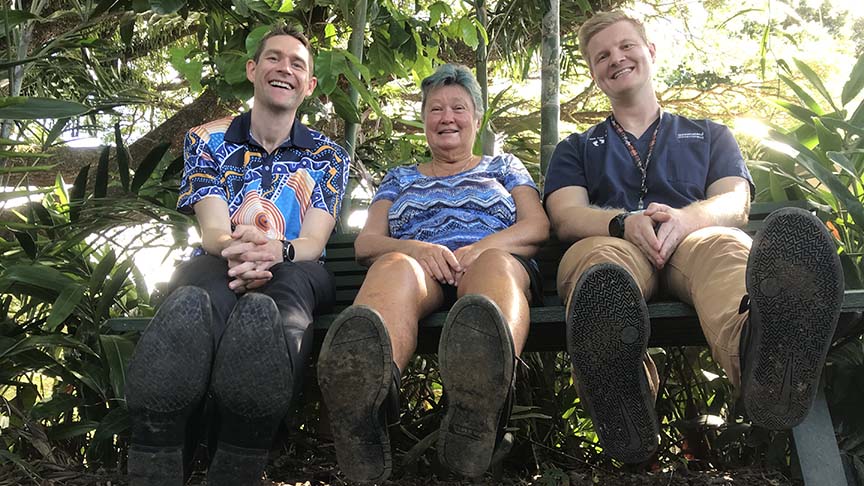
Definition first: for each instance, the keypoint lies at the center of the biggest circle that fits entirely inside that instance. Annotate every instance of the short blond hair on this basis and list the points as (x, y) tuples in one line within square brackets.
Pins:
[(600, 21)]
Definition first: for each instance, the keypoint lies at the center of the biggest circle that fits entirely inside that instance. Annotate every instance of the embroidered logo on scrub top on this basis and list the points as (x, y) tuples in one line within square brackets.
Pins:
[(691, 136)]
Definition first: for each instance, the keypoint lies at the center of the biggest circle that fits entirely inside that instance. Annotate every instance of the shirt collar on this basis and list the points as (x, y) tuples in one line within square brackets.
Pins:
[(239, 132)]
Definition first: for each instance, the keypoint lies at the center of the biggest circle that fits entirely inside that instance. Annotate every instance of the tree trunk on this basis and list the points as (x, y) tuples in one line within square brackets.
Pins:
[(205, 108), (487, 136), (550, 108)]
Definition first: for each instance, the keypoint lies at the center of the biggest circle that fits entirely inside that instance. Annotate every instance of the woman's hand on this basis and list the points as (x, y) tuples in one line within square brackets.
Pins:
[(436, 260)]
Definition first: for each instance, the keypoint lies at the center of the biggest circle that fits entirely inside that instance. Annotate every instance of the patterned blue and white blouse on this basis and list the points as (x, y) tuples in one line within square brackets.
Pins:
[(455, 210)]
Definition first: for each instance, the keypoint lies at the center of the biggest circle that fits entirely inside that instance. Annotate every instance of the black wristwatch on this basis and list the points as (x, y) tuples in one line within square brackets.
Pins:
[(616, 225), (287, 251)]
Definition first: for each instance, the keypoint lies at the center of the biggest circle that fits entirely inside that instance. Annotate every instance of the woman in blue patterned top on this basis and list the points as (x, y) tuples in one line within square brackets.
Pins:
[(461, 227)]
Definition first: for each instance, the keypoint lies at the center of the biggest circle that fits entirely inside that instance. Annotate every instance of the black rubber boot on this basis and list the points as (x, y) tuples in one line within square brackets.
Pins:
[(166, 382), (155, 466), (477, 359), (253, 386), (236, 466), (355, 373), (795, 283), (607, 337)]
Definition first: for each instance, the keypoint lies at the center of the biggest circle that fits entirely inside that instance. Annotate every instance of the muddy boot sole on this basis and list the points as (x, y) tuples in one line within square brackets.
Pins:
[(795, 283), (355, 374), (252, 373), (170, 368), (476, 357), (607, 336)]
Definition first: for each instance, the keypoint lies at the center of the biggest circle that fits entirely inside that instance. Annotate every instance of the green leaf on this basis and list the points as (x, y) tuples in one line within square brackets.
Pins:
[(51, 341), (828, 139), (27, 108), (116, 352), (840, 159), (254, 39), (855, 83), (100, 273), (146, 168), (232, 66), (285, 6), (25, 170), (810, 161), (100, 184), (111, 288), (122, 157), (805, 97), (23, 155), (437, 11), (76, 194), (344, 107), (469, 32), (59, 404), (27, 243), (71, 429), (15, 18), (6, 196), (114, 423), (165, 7), (64, 306), (814, 79), (56, 131), (36, 274)]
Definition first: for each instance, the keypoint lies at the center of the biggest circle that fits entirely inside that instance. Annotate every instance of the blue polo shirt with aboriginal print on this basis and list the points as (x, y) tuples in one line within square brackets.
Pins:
[(689, 156), (271, 191)]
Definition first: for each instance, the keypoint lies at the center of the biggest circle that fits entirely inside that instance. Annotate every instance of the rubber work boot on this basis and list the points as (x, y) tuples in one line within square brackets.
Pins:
[(477, 359), (355, 373), (607, 337), (795, 283), (253, 385), (165, 383)]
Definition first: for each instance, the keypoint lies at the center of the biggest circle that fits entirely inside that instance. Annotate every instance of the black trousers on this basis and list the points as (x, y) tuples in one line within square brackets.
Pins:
[(299, 290)]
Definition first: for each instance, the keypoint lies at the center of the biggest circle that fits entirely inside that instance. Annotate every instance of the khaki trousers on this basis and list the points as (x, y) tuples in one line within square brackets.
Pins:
[(707, 271)]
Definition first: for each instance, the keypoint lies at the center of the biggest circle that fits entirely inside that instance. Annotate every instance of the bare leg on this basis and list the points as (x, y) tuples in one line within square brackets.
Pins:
[(499, 276), (398, 288)]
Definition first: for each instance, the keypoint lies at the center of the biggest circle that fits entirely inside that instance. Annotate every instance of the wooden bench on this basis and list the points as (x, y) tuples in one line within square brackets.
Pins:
[(672, 324)]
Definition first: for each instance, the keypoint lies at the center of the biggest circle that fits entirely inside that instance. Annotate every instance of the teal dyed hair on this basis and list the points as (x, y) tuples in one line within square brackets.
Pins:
[(453, 74)]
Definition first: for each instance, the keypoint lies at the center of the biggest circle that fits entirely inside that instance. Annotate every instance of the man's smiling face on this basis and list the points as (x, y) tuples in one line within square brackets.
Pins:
[(621, 62), (282, 75)]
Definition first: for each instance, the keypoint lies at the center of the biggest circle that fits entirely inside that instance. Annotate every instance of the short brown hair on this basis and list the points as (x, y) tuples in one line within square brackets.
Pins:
[(600, 21), (285, 29)]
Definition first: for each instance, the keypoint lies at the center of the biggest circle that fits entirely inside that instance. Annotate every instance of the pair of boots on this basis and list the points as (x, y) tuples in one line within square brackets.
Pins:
[(795, 285), (175, 365), (356, 374)]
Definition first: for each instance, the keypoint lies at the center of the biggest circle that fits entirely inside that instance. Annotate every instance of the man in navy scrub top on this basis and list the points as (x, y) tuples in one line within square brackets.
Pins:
[(653, 202)]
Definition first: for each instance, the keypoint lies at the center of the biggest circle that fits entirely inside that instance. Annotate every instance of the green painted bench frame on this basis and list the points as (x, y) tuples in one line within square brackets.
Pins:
[(672, 324)]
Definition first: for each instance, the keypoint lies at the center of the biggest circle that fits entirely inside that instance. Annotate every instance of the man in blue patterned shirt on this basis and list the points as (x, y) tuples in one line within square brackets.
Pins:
[(235, 332)]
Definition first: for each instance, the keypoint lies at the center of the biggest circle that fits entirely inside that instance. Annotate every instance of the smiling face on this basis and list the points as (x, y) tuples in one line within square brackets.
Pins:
[(449, 122), (621, 62), (282, 75)]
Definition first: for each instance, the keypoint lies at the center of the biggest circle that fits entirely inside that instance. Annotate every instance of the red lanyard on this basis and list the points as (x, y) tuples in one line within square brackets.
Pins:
[(634, 154)]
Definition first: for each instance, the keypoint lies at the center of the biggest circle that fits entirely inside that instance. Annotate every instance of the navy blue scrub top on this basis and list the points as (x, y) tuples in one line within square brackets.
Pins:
[(688, 157)]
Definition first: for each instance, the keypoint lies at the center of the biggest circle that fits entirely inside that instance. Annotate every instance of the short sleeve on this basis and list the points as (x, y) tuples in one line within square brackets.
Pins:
[(200, 174), (515, 174), (725, 157), (566, 167), (331, 188), (390, 187)]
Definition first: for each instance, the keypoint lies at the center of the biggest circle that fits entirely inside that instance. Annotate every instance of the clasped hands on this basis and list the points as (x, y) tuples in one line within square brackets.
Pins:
[(445, 266), (658, 230), (250, 254)]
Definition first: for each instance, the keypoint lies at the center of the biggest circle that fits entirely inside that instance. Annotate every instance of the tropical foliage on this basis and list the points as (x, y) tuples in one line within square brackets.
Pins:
[(146, 70)]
